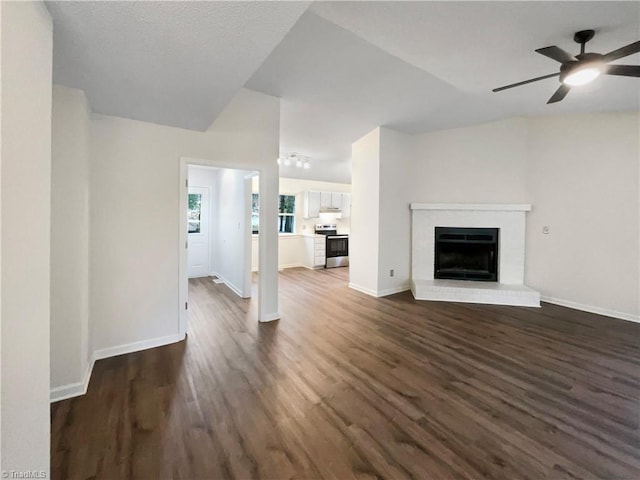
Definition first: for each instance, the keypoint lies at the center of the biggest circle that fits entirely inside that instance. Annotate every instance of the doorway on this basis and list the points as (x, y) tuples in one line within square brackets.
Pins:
[(267, 291), (217, 221)]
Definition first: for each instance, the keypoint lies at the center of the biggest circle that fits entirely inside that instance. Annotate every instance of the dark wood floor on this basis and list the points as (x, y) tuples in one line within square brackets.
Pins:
[(348, 386)]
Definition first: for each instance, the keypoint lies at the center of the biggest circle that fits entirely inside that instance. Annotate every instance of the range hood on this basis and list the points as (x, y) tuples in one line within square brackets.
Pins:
[(330, 210)]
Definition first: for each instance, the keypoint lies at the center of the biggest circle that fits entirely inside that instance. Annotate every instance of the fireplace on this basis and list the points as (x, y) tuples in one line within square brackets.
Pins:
[(507, 222), (466, 254)]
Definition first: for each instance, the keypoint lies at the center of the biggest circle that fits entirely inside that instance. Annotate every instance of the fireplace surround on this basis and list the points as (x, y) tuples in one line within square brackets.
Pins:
[(508, 219)]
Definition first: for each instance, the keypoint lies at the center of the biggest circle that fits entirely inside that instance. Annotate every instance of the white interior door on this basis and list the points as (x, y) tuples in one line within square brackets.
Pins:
[(198, 246)]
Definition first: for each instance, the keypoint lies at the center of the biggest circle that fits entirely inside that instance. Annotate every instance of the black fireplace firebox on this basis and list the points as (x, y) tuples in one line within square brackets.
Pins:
[(466, 254)]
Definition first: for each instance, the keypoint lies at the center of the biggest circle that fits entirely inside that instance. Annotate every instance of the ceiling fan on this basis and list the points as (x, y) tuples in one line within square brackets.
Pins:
[(584, 67)]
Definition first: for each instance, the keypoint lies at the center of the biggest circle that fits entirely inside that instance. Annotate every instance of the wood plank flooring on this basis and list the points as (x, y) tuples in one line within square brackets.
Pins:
[(347, 386)]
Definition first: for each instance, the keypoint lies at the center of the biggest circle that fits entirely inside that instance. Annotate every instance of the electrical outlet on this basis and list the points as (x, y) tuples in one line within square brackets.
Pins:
[(545, 230), (391, 272)]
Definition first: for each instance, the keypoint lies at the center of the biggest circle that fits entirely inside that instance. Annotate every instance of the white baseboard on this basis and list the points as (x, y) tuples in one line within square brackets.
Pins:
[(365, 290), (73, 389), (592, 309), (233, 288), (80, 388), (270, 317), (282, 267), (137, 346), (290, 265), (391, 291), (380, 293)]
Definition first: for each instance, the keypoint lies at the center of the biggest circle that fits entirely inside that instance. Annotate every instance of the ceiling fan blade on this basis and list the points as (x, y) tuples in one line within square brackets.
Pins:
[(556, 53), (499, 89), (623, 70), (622, 52), (561, 92)]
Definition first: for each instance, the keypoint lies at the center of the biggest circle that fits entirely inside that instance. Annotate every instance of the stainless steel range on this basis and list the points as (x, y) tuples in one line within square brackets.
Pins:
[(337, 246)]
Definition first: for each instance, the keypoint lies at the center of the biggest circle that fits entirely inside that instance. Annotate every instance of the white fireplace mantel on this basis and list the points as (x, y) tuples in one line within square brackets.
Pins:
[(508, 218), (490, 207)]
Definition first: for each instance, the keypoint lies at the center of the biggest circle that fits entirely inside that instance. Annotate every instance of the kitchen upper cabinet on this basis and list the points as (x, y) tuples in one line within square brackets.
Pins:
[(346, 205), (311, 207), (325, 199), (336, 200), (315, 202)]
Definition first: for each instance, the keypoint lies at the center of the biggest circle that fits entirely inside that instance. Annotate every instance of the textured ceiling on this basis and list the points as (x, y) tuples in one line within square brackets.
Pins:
[(336, 87), (172, 63), (347, 67), (341, 68), (476, 46)]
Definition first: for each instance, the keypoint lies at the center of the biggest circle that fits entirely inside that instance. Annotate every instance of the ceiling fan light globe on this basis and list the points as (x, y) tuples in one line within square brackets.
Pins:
[(307, 166), (582, 76)]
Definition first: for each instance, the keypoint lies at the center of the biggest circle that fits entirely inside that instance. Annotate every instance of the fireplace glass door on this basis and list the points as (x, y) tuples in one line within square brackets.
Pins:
[(466, 254)]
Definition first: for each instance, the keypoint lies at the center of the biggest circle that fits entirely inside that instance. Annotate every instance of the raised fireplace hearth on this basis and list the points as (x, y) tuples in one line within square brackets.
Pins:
[(466, 254), (470, 253)]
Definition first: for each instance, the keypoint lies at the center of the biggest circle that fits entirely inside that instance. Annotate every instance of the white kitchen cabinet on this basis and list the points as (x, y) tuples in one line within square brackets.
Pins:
[(311, 208), (314, 251), (336, 200), (346, 205), (315, 202), (325, 199)]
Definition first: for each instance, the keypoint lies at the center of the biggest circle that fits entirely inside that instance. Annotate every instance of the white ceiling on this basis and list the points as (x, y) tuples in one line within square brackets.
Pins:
[(477, 46), (335, 88), (172, 63), (347, 67), (341, 68)]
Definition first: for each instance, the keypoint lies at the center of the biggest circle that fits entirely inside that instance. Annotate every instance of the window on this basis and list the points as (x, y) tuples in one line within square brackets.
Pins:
[(255, 210), (195, 211), (286, 213)]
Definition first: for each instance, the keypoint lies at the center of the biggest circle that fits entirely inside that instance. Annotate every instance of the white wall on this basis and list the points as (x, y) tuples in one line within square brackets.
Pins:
[(135, 229), (25, 225), (70, 350), (365, 212), (380, 239), (230, 208), (579, 172), (479, 164), (290, 251), (232, 231), (394, 214), (582, 177)]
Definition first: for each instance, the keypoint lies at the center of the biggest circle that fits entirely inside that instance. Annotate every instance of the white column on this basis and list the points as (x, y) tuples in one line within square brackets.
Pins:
[(25, 226), (268, 248)]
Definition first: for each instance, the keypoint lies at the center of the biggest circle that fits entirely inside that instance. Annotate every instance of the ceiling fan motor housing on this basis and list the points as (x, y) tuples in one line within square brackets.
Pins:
[(583, 36), (585, 60)]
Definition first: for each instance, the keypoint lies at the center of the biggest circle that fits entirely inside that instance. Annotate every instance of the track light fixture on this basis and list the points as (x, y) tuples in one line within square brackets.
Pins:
[(296, 159)]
